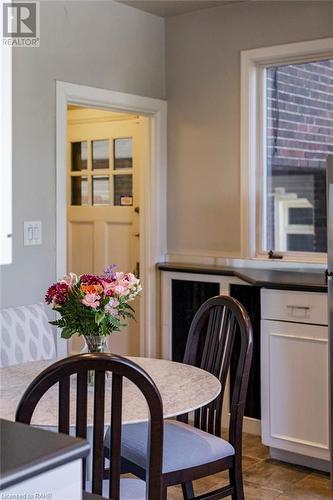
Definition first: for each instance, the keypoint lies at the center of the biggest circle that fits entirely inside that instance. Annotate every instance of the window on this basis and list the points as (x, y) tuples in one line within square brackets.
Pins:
[(101, 172), (299, 136), (286, 138)]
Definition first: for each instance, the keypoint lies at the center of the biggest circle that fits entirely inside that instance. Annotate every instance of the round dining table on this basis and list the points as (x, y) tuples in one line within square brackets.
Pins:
[(183, 388)]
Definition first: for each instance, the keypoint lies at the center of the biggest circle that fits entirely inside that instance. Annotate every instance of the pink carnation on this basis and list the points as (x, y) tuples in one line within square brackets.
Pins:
[(121, 290), (131, 278), (91, 300), (108, 287), (121, 285)]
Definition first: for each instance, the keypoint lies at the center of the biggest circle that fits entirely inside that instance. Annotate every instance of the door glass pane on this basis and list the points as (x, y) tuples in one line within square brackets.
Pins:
[(79, 191), (101, 192), (79, 156), (123, 153), (299, 103), (100, 154), (123, 190)]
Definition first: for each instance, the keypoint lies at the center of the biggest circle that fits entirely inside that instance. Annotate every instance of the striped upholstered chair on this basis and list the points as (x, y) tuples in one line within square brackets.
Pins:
[(25, 335)]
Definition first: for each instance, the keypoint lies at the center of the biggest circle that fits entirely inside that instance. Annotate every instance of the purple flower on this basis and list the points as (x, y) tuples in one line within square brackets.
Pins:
[(109, 273)]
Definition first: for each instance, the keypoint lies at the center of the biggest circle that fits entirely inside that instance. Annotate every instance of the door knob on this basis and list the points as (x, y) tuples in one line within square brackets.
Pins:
[(137, 210), (137, 235)]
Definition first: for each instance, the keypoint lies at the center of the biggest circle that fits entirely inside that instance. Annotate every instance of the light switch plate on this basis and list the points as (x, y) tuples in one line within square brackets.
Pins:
[(32, 233)]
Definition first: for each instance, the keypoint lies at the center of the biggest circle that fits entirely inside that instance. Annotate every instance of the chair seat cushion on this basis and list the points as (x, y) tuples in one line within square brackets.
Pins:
[(184, 446), (130, 489)]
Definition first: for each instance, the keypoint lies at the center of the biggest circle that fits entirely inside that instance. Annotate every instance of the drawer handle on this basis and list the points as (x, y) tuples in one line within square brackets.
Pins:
[(303, 308), (300, 312)]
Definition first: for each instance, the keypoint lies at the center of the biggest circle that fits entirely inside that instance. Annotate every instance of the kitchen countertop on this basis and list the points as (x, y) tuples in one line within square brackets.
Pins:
[(27, 451), (267, 278)]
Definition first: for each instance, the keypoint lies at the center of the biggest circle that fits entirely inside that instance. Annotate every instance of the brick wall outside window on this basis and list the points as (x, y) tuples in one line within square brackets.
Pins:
[(299, 138)]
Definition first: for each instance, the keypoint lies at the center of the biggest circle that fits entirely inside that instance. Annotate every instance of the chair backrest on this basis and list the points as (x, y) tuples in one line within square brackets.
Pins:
[(220, 329), (25, 335), (100, 363)]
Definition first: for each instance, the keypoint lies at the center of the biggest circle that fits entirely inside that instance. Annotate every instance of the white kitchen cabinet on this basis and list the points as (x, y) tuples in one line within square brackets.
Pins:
[(39, 464), (60, 483), (294, 374)]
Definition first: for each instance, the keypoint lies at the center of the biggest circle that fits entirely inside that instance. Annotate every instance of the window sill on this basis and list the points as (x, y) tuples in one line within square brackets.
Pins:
[(319, 261)]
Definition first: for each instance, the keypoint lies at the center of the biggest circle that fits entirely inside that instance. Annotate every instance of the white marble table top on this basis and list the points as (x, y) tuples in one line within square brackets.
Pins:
[(183, 388)]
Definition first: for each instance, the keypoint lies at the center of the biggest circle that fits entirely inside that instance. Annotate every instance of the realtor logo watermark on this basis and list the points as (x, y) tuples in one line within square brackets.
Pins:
[(20, 24)]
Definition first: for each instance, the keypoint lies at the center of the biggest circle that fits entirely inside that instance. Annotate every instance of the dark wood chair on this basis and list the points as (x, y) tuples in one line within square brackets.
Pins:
[(79, 365), (220, 330)]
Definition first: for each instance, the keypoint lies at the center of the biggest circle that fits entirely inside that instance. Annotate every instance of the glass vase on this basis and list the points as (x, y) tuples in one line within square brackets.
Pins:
[(94, 343)]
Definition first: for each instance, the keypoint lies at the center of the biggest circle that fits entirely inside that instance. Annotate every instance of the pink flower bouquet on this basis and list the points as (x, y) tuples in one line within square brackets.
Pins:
[(92, 305)]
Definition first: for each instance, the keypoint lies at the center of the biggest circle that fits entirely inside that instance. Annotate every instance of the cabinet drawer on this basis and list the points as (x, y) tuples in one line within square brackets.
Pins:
[(299, 307)]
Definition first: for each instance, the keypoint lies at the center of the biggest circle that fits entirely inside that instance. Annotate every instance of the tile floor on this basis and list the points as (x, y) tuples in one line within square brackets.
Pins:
[(266, 479)]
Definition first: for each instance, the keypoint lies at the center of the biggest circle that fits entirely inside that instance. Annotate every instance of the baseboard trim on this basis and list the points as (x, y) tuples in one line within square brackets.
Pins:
[(252, 426)]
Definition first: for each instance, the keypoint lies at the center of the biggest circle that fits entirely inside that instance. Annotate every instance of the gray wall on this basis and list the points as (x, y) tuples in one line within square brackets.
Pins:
[(203, 90), (112, 46), (102, 44)]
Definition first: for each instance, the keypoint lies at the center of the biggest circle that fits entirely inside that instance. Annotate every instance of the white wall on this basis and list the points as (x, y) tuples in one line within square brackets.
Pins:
[(203, 91), (102, 44)]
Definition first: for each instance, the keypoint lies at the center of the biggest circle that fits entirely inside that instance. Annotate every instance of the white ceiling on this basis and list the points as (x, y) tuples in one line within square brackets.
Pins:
[(169, 8)]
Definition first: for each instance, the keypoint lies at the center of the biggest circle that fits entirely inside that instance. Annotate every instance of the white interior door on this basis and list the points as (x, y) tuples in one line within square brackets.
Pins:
[(103, 191)]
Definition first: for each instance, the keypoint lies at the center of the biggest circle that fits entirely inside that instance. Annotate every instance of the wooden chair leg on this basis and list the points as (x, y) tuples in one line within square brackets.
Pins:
[(188, 491), (164, 493), (236, 480)]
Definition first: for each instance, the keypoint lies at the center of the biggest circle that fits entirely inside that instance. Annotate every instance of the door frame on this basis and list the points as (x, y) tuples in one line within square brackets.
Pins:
[(152, 196)]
